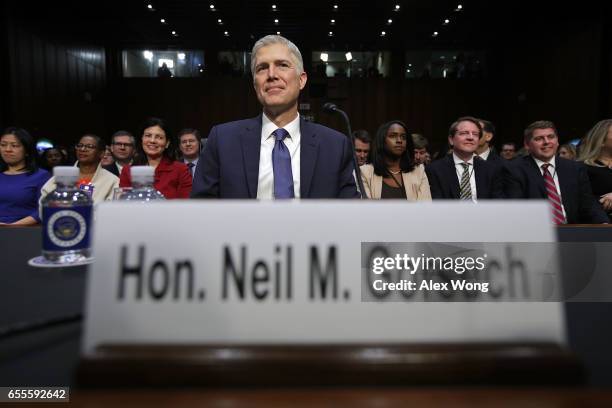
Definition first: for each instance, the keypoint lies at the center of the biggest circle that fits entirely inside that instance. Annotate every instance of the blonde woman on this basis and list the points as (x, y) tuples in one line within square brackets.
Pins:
[(596, 153)]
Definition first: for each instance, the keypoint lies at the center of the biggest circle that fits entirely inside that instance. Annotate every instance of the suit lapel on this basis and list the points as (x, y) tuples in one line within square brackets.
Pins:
[(451, 174), (536, 174), (251, 147), (563, 176), (308, 156), (481, 178)]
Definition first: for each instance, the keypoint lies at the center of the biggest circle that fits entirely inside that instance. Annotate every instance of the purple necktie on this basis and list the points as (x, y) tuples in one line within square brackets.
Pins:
[(281, 165)]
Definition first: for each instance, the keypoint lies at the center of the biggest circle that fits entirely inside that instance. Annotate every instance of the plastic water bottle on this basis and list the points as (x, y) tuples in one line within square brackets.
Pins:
[(142, 185), (66, 214)]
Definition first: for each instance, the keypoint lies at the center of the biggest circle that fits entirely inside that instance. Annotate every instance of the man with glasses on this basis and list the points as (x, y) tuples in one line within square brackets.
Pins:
[(189, 145), (122, 149), (461, 175)]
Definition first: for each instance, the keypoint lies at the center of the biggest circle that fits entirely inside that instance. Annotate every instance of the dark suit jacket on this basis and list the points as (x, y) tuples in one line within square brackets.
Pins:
[(229, 164), (523, 179), (443, 182), (113, 169)]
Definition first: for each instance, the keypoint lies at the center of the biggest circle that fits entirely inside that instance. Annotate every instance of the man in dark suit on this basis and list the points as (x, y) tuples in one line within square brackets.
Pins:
[(484, 150), (277, 154), (462, 175), (122, 148), (543, 175)]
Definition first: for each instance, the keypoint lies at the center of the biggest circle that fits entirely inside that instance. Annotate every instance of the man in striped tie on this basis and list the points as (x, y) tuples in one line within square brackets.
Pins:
[(544, 175), (462, 175)]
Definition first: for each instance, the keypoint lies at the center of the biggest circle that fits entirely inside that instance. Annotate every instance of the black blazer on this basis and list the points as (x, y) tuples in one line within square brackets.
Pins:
[(113, 169), (443, 182), (523, 179)]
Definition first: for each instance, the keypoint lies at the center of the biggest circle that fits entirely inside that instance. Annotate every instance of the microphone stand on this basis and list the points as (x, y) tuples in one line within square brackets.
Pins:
[(331, 108)]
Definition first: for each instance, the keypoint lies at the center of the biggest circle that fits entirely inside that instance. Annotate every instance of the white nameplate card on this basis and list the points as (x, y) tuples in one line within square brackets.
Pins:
[(247, 272)]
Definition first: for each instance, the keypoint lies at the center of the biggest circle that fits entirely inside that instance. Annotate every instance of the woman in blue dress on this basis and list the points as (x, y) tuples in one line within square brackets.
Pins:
[(20, 178)]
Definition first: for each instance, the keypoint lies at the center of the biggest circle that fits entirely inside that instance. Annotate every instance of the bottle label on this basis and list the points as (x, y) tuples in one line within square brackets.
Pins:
[(66, 229)]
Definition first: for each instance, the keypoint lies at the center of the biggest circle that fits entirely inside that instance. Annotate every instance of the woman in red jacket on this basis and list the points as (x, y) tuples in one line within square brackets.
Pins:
[(154, 148)]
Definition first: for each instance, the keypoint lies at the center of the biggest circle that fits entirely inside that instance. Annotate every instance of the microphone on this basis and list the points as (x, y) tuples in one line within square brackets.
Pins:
[(330, 107)]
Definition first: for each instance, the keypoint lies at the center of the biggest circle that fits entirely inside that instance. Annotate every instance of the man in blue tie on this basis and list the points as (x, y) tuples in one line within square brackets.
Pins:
[(277, 154)]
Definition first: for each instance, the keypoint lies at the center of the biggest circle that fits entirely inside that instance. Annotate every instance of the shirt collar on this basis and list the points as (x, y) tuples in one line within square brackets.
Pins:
[(540, 162), (457, 160), (485, 155), (267, 127)]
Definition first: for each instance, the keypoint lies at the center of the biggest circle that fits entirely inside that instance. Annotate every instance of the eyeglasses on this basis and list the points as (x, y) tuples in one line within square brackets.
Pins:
[(123, 145), (81, 146)]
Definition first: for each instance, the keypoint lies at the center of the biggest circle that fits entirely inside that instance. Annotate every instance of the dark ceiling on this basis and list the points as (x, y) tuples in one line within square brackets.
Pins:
[(358, 24)]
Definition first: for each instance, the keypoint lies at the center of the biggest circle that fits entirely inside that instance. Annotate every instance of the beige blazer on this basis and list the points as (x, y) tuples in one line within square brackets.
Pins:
[(415, 183), (104, 183)]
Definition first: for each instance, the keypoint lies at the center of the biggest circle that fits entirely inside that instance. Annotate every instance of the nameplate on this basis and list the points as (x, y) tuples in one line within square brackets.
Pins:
[(238, 272)]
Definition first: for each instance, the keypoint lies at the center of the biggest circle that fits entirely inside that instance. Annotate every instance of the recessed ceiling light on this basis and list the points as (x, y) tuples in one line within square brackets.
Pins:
[(383, 33), (435, 34), (335, 7), (348, 56), (150, 7), (331, 34), (212, 6), (219, 21), (278, 33), (148, 55), (181, 56), (274, 7), (332, 21), (446, 21), (173, 32), (226, 33), (276, 21), (397, 7), (459, 7), (324, 56), (389, 21)]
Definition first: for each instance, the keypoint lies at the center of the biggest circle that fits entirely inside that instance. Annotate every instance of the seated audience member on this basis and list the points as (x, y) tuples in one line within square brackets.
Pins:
[(596, 153), (20, 179), (172, 178), (461, 175), (52, 157), (543, 175), (508, 151), (189, 146), (567, 151), (363, 143), (484, 150), (123, 147), (420, 148), (107, 159), (93, 178), (392, 173)]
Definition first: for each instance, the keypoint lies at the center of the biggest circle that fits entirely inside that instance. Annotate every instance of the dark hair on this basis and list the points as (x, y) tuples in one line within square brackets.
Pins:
[(141, 158), (362, 135), (122, 133), (453, 128), (378, 150), (539, 124), (100, 144), (29, 147), (189, 131), (487, 126), (44, 161), (420, 141)]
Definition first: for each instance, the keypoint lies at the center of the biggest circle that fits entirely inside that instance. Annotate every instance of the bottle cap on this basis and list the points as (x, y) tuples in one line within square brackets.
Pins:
[(142, 174), (66, 174)]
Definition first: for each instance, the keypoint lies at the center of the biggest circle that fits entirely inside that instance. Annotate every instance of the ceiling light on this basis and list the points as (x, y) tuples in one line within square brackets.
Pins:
[(348, 56), (220, 21), (201, 70), (212, 6), (397, 7), (148, 55), (163, 21), (278, 33), (435, 34), (173, 32), (332, 21), (331, 34), (446, 21), (276, 21), (383, 33), (226, 33), (335, 7), (324, 57), (459, 7), (389, 21), (181, 56), (150, 7), (274, 7)]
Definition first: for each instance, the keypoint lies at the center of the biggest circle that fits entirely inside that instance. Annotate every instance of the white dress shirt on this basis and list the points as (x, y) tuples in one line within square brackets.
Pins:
[(552, 169), (485, 155), (459, 170), (265, 183)]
